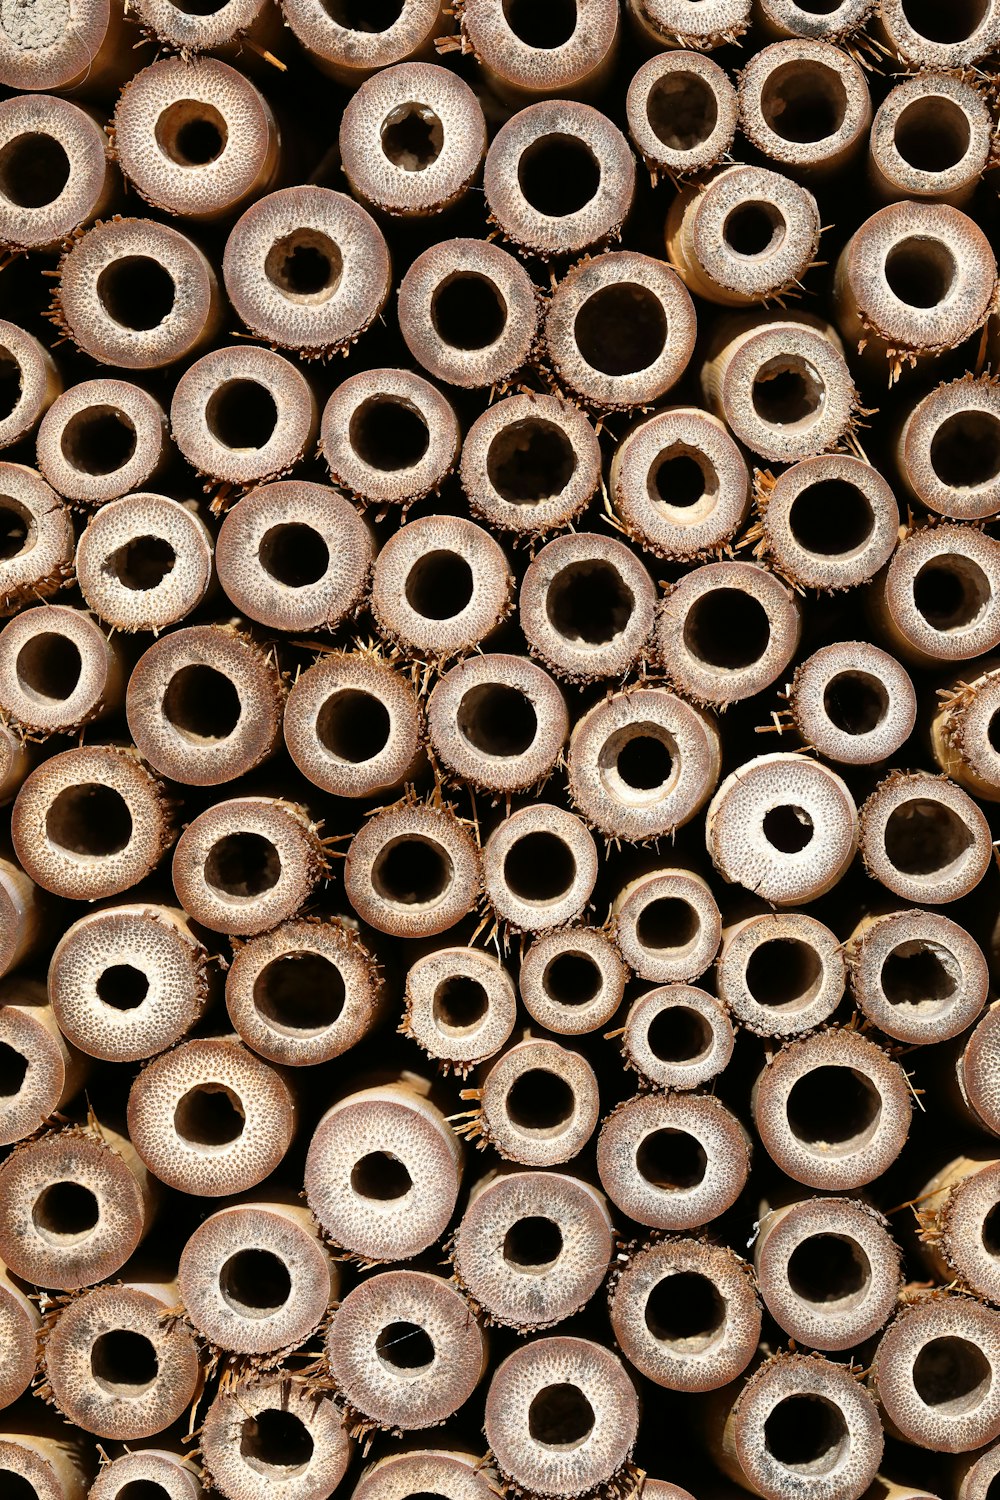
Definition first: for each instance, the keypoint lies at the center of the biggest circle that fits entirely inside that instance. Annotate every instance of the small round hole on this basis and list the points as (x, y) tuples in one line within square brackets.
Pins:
[(412, 137), (542, 26), (572, 979), (191, 133), (440, 585), (13, 1071), (255, 1283), (202, 704), (784, 973), (685, 1311), (388, 434), (788, 829), (242, 415), (560, 1416), (123, 1363), (98, 440), (122, 986), (921, 974), (539, 1102), (727, 628), (467, 311), (825, 1268), (65, 1211), (951, 593), (142, 563), (497, 720), (787, 391), (952, 1375), (533, 1244), (806, 1434), (831, 518), (294, 554), (90, 819), (754, 228), (48, 666), (354, 726), (803, 102), (855, 702), (34, 170), (412, 871), (965, 450), (922, 837), (679, 1034), (667, 923), (405, 1346), (276, 1440), (460, 1004), (136, 292), (920, 271), (305, 266), (530, 461), (832, 1106), (380, 1175), (589, 603), (955, 22), (682, 110), (558, 175), (932, 134)]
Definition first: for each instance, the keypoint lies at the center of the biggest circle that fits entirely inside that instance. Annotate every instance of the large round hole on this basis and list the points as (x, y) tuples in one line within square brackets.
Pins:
[(991, 1231), (13, 1071), (671, 1159), (460, 1004), (965, 450), (412, 137), (388, 434), (276, 1440), (529, 461), (305, 266), (572, 979), (589, 603), (539, 867), (955, 22), (48, 666), (681, 477), (542, 26), (122, 986), (354, 726), (932, 134), (560, 1416), (621, 329), (242, 415), (468, 311), (923, 836), (98, 440), (412, 871), (787, 391), (243, 865), (123, 1363), (134, 1489), (855, 702), (137, 292), (299, 993), (826, 1268), (727, 628), (65, 1211), (255, 1283), (380, 1175), (405, 1346), (365, 15), (539, 1102), (919, 973), (497, 720), (951, 593), (558, 175), (16, 522), (533, 1244), (89, 819), (142, 563), (11, 391), (191, 133), (754, 228), (644, 762), (209, 1115), (952, 1375), (787, 828), (803, 102), (831, 517), (202, 703), (682, 110), (34, 169), (833, 1106), (784, 973), (440, 585), (679, 1034), (294, 554), (686, 1311), (920, 271), (667, 922), (806, 1434)]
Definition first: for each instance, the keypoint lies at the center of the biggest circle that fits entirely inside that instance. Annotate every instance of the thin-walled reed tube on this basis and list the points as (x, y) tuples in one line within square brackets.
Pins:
[(931, 138), (204, 704), (559, 179), (780, 973), (144, 562), (587, 606), (90, 823), (307, 269), (156, 1466), (50, 1463), (38, 536), (352, 724), (538, 1104), (33, 382), (678, 23), (128, 981), (260, 1435), (340, 43), (392, 1326), (389, 437), (413, 870), (295, 556), (196, 141), (682, 111), (42, 1072), (532, 1247), (497, 722), (948, 452), (58, 670), (929, 37), (939, 599), (832, 1110), (459, 1006), (524, 53), (686, 1314), (924, 838), (303, 993), (539, 868), (667, 926), (530, 464), (853, 703), (726, 631), (828, 1270), (805, 104), (829, 522), (916, 975), (677, 1037), (936, 1373), (572, 980), (55, 174), (209, 1117), (383, 1172), (101, 439)]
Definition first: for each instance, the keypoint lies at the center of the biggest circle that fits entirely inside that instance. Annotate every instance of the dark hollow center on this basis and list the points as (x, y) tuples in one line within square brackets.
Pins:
[(560, 1416), (727, 628), (380, 1175), (529, 461), (965, 449), (242, 415), (855, 702), (621, 329), (137, 292), (122, 986), (142, 563), (667, 922), (354, 726), (679, 1034), (558, 175), (123, 1362), (294, 554), (468, 311), (65, 1210), (682, 110), (922, 836), (497, 720), (412, 871), (784, 971), (460, 1003), (202, 703), (34, 169), (572, 979), (49, 665), (539, 867), (685, 1308), (243, 865), (209, 1115), (831, 1105), (405, 1346), (533, 1243), (440, 585), (98, 440), (388, 434), (539, 1101), (299, 992), (589, 602), (255, 1282), (671, 1159), (831, 518), (89, 819), (828, 1268)]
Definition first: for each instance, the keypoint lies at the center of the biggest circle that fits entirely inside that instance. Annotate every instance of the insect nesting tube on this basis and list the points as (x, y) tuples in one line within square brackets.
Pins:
[(682, 112), (144, 562), (931, 139), (918, 976), (261, 1432), (959, 1207), (828, 522), (389, 437), (780, 973), (853, 703), (539, 868), (40, 1074), (667, 926), (805, 104), (29, 383), (677, 1037), (948, 452), (924, 838), (413, 870), (168, 1471), (101, 439), (538, 1104), (425, 1470), (935, 1373), (459, 1006), (498, 722), (939, 598), (530, 464), (675, 23), (54, 171), (36, 538), (921, 33), (525, 51), (587, 606), (572, 979), (58, 670)]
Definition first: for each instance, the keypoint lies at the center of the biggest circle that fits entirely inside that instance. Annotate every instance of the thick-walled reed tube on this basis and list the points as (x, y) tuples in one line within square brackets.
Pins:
[(78, 1205), (962, 732), (682, 112), (389, 437), (976, 1073), (572, 980), (137, 294), (116, 1367), (29, 382), (498, 722), (939, 599), (677, 1037), (19, 1325), (686, 1314), (262, 1434), (144, 562), (586, 607), (958, 1211), (244, 865), (532, 1247), (924, 838), (538, 1104), (832, 1110), (926, 35), (63, 49), (469, 313), (425, 1470), (171, 1472), (90, 823), (413, 870), (441, 585), (255, 1277), (936, 1373), (673, 1161), (412, 139), (805, 104), (853, 703), (236, 29), (667, 926), (295, 556), (835, 21), (303, 993), (676, 23), (948, 452), (210, 1117), (539, 868), (918, 976), (353, 725), (204, 704), (58, 670), (101, 439), (198, 141), (780, 973), (620, 330), (383, 1173), (931, 139), (394, 1327), (342, 42), (559, 179), (544, 1400), (530, 464), (459, 1006), (38, 541), (128, 981), (679, 484), (829, 522), (307, 269), (55, 174), (525, 51), (40, 1072), (828, 1270)]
